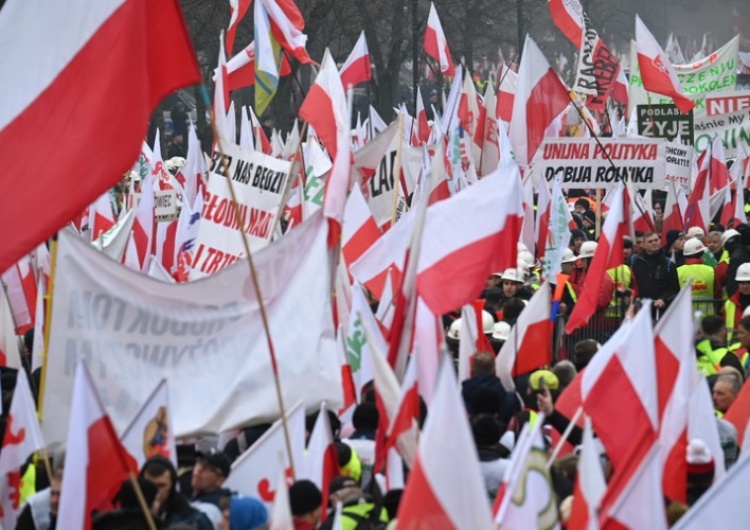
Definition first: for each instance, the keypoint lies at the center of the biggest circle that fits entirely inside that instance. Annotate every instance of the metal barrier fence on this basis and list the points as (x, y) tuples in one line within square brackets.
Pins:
[(605, 323)]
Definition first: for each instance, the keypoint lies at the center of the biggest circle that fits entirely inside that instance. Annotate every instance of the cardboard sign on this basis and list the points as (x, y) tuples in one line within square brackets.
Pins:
[(665, 121)]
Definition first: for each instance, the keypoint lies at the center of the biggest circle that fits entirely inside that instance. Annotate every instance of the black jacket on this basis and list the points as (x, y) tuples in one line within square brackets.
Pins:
[(738, 257), (656, 276)]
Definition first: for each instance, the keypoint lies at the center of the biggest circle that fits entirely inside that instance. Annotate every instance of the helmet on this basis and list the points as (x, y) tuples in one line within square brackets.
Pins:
[(728, 234), (525, 259), (454, 331), (695, 231), (743, 273), (520, 247), (587, 249), (501, 330), (568, 256), (514, 275), (693, 246), (746, 312), (487, 322)]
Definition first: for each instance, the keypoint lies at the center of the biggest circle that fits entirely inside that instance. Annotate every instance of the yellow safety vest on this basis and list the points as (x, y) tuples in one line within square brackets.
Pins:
[(724, 257), (621, 275), (730, 311), (709, 359), (28, 484), (733, 347), (703, 282)]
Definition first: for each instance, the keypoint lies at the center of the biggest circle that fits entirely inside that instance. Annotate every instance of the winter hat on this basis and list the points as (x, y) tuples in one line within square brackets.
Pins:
[(246, 513), (485, 429), (744, 231), (672, 236), (590, 215), (577, 233), (701, 464), (304, 497), (550, 380)]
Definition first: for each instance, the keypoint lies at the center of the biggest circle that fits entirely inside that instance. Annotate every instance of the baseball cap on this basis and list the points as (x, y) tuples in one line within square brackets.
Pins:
[(217, 459), (340, 483)]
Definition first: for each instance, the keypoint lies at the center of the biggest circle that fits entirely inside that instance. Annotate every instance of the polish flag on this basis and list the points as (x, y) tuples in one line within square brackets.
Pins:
[(96, 464), (609, 254), (348, 387), (359, 230), (116, 84), (439, 180), (641, 215), (702, 423), (529, 345), (281, 512), (16, 279), (256, 471), (541, 97), (100, 213), (620, 90), (465, 233), (192, 176), (590, 485), (423, 126), (150, 431), (445, 492), (139, 246), (327, 109), (568, 17), (221, 98), (471, 117), (657, 72), (402, 428), (472, 338), (718, 174), (114, 242), (166, 233), (287, 25), (619, 393), (22, 438), (357, 67), (241, 68), (321, 461), (506, 94), (543, 212), (698, 211), (676, 372), (436, 45), (739, 414), (673, 212), (238, 10)]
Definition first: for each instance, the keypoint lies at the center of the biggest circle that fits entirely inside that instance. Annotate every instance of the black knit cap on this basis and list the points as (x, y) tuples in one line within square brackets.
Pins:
[(304, 497)]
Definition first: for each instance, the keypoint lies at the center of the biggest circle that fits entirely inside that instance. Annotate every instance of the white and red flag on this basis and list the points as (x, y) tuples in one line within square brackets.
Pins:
[(357, 67), (281, 511), (674, 211), (139, 245), (150, 432), (435, 43), (22, 438), (590, 485), (359, 230), (84, 50), (256, 471), (540, 98), (192, 176), (20, 289), (238, 9), (96, 464), (445, 492), (529, 345), (472, 338), (321, 461), (609, 254), (9, 354), (241, 68), (506, 94), (490, 141), (698, 212), (423, 126), (101, 217), (657, 72)]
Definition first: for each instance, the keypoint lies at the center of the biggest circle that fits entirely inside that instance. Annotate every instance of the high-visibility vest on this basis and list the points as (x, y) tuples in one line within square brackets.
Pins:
[(621, 275), (703, 279), (724, 257), (741, 352), (709, 360), (730, 313)]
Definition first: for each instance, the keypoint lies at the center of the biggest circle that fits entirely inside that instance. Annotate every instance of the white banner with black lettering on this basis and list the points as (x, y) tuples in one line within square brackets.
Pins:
[(205, 337), (259, 181)]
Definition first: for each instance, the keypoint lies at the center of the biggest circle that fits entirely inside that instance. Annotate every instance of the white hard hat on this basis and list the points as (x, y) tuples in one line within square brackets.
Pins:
[(501, 330), (525, 259), (587, 249), (728, 234), (695, 231), (568, 256), (743, 273), (520, 247), (746, 312), (693, 246), (514, 275), (487, 322), (175, 163), (454, 331)]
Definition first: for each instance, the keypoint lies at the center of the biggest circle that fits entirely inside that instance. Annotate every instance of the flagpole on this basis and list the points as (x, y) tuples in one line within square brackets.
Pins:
[(564, 437), (397, 168), (256, 285), (142, 501), (47, 325)]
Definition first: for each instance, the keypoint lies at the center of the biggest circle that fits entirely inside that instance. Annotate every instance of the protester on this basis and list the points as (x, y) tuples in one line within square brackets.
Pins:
[(655, 274), (40, 512), (356, 505), (306, 503)]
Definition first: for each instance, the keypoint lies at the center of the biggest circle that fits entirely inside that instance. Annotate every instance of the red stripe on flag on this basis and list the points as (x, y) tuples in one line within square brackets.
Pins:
[(358, 72), (547, 100), (420, 508)]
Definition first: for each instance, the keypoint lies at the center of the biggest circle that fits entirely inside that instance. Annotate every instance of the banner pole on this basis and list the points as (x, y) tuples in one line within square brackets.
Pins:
[(47, 324), (397, 168), (256, 285)]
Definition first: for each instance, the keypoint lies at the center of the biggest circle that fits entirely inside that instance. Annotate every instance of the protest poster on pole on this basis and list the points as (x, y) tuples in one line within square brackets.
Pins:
[(728, 115), (259, 182), (665, 121), (584, 163)]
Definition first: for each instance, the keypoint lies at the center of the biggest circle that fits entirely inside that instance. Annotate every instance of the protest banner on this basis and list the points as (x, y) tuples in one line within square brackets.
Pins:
[(582, 163), (715, 73), (206, 338), (259, 182), (727, 115), (679, 165), (165, 205), (665, 121)]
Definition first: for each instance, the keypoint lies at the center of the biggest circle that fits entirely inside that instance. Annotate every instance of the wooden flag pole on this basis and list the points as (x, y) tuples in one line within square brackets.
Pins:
[(47, 325), (256, 285), (142, 501)]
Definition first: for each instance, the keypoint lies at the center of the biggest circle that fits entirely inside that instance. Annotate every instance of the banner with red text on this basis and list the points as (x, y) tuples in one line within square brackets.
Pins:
[(259, 182)]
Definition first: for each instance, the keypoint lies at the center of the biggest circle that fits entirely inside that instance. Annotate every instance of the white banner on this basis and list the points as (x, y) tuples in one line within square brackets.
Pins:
[(259, 182), (582, 163), (727, 115), (205, 337), (715, 73), (679, 165)]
